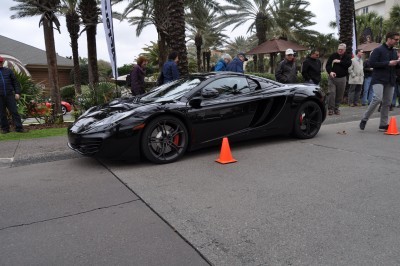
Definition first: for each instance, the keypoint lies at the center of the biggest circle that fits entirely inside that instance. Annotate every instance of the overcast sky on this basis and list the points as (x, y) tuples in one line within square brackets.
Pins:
[(128, 46)]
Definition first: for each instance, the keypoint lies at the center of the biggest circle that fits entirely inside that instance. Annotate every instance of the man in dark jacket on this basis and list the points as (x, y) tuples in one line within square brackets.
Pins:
[(9, 93), (384, 61), (311, 68), (170, 68), (236, 65), (286, 71), (337, 67)]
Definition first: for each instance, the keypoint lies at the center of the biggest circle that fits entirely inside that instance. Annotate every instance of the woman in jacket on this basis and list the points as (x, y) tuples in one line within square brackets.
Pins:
[(137, 76)]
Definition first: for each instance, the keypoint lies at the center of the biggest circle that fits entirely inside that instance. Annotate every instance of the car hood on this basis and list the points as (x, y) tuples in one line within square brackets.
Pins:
[(108, 115)]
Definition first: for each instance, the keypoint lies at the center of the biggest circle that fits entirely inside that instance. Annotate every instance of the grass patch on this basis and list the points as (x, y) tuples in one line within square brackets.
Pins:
[(33, 134)]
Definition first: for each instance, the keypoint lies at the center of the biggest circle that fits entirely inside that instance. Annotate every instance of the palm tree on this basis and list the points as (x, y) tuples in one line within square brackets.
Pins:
[(346, 24), (393, 22), (89, 12), (155, 12), (324, 43), (368, 23), (256, 11), (47, 10), (280, 19), (205, 30), (72, 19), (291, 19), (176, 32)]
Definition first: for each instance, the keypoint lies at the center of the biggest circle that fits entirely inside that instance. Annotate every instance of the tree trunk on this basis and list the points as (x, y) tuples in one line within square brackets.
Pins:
[(346, 24), (72, 21), (92, 55), (177, 34), (53, 71), (198, 41), (262, 37)]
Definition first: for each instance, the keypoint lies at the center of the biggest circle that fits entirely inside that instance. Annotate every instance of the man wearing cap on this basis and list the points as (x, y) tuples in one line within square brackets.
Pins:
[(286, 71), (236, 65), (337, 67), (9, 93)]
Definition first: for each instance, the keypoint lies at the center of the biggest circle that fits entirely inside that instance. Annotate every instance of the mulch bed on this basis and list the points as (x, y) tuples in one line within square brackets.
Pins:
[(47, 126)]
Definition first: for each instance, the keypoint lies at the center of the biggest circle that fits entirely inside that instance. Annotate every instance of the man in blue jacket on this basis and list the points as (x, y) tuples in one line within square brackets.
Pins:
[(170, 68), (236, 65), (384, 62), (9, 94)]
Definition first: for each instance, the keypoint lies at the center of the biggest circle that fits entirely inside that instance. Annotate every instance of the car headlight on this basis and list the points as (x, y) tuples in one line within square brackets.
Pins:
[(109, 122)]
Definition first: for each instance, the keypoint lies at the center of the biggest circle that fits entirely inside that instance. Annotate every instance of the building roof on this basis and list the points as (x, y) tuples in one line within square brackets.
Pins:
[(276, 46), (28, 54)]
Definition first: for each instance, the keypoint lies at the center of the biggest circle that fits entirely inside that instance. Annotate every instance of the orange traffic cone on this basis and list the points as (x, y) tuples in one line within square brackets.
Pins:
[(392, 129), (225, 155)]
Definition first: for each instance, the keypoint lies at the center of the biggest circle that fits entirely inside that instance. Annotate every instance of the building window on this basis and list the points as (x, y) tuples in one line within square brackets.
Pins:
[(365, 10)]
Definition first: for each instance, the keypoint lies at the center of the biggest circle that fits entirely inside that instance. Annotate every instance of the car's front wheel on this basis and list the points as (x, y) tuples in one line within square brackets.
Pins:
[(164, 139), (308, 120)]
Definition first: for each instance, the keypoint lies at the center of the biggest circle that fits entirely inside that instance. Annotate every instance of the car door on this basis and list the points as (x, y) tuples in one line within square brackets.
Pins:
[(231, 111)]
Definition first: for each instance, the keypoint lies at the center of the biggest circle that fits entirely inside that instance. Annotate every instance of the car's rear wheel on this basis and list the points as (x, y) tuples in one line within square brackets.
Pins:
[(164, 139), (63, 109), (308, 120)]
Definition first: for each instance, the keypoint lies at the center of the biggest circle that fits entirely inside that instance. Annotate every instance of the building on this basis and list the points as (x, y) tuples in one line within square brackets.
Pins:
[(381, 7), (34, 62)]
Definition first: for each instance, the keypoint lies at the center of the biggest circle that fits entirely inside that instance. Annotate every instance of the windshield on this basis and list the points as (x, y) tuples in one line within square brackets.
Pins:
[(171, 91)]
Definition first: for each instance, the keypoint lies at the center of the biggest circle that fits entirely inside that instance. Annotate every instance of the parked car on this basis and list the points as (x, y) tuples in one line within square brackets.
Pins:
[(196, 112), (44, 108)]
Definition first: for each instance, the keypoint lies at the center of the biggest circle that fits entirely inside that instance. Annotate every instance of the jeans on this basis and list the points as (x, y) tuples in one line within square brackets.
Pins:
[(383, 94), (396, 94), (368, 92), (9, 103), (354, 93)]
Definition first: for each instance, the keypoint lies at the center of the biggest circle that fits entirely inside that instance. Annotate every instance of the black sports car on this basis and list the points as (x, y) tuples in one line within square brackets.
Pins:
[(195, 112)]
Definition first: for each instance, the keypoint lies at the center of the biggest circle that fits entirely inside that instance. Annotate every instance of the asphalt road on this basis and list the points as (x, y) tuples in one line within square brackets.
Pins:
[(331, 200)]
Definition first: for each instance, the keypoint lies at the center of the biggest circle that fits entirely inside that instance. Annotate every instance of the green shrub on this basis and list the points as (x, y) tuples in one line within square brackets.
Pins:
[(67, 93)]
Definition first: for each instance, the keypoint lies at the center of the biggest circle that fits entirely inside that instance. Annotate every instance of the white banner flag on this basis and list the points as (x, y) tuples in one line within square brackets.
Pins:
[(106, 12)]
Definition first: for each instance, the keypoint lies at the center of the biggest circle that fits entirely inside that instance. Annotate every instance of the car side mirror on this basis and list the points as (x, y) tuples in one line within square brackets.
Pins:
[(195, 103), (209, 93)]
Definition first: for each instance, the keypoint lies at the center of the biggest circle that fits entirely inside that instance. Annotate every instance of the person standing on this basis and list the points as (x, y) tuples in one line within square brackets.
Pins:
[(396, 92), (286, 71), (170, 68), (311, 68), (223, 62), (384, 60), (137, 76), (368, 93), (236, 65), (356, 78), (337, 67), (9, 95)]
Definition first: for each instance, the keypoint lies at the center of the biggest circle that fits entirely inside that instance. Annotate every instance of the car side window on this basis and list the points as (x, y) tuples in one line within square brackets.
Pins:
[(253, 85), (229, 86)]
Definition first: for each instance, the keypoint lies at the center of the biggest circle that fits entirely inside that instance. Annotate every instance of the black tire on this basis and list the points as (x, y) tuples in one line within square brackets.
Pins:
[(308, 120), (63, 110), (164, 140)]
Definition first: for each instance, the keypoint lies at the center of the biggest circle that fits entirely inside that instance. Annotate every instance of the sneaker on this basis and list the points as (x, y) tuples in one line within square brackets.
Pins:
[(362, 124), (337, 112), (5, 131), (383, 128), (23, 130), (330, 112)]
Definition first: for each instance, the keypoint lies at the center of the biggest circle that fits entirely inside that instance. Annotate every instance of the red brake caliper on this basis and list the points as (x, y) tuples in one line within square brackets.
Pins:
[(176, 140)]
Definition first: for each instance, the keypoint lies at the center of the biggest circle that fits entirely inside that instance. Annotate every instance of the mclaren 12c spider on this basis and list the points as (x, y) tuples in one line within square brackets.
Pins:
[(195, 112)]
